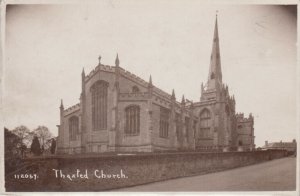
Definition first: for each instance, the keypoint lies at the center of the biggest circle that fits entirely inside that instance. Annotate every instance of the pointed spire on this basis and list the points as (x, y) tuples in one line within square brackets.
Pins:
[(99, 59), (61, 104), (117, 62), (150, 81), (150, 86), (83, 73), (183, 100), (82, 81), (216, 33), (250, 116), (173, 95), (215, 72)]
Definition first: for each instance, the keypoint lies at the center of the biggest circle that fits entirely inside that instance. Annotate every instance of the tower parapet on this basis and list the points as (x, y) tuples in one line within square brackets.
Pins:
[(72, 109), (241, 117)]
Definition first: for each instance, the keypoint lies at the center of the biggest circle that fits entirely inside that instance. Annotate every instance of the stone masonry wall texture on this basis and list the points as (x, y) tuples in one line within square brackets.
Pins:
[(139, 169)]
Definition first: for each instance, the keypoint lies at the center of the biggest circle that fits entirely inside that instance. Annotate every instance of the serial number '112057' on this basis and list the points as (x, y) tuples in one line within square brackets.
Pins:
[(26, 176)]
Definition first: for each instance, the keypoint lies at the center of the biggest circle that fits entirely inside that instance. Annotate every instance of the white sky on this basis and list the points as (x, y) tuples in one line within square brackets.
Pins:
[(48, 45)]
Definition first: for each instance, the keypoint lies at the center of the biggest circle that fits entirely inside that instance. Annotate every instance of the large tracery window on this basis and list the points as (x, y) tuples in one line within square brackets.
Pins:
[(99, 105), (132, 117), (205, 124), (73, 127), (164, 122)]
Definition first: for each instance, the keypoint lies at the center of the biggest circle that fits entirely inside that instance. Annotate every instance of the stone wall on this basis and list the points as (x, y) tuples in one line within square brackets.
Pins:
[(131, 169)]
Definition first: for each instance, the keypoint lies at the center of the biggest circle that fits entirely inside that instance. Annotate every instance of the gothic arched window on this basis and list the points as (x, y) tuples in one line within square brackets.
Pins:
[(99, 105), (73, 127), (132, 120), (205, 124), (164, 122)]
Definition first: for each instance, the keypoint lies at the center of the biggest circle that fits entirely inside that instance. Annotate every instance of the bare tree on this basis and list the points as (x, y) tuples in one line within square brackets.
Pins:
[(24, 134), (44, 135)]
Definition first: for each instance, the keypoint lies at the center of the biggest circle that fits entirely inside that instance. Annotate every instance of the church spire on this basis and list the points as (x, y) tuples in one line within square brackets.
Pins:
[(215, 72)]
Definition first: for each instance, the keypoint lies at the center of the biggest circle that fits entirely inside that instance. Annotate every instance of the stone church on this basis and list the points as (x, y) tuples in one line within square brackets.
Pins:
[(120, 112)]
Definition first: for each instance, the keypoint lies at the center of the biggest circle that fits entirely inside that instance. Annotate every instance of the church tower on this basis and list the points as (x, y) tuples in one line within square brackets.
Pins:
[(216, 109), (214, 81)]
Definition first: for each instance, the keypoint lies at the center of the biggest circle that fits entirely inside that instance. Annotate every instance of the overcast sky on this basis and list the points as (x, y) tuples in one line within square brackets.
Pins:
[(48, 45)]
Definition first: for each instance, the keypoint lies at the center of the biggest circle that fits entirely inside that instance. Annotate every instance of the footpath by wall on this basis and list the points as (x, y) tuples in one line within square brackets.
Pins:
[(110, 172)]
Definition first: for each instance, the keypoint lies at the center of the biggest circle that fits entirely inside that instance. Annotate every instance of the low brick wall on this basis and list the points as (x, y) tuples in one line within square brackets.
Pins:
[(130, 170)]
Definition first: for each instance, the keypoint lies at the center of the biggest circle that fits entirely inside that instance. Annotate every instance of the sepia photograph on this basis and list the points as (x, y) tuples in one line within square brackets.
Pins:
[(149, 96)]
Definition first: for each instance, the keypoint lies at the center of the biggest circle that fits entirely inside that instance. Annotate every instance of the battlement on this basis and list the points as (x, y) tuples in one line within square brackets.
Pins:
[(133, 77), (72, 109), (161, 92), (134, 96), (142, 82), (107, 68), (241, 118), (127, 74), (101, 67), (239, 115)]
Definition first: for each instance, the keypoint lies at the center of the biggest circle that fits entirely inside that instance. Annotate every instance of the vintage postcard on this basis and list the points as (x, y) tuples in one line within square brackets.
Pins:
[(149, 96)]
